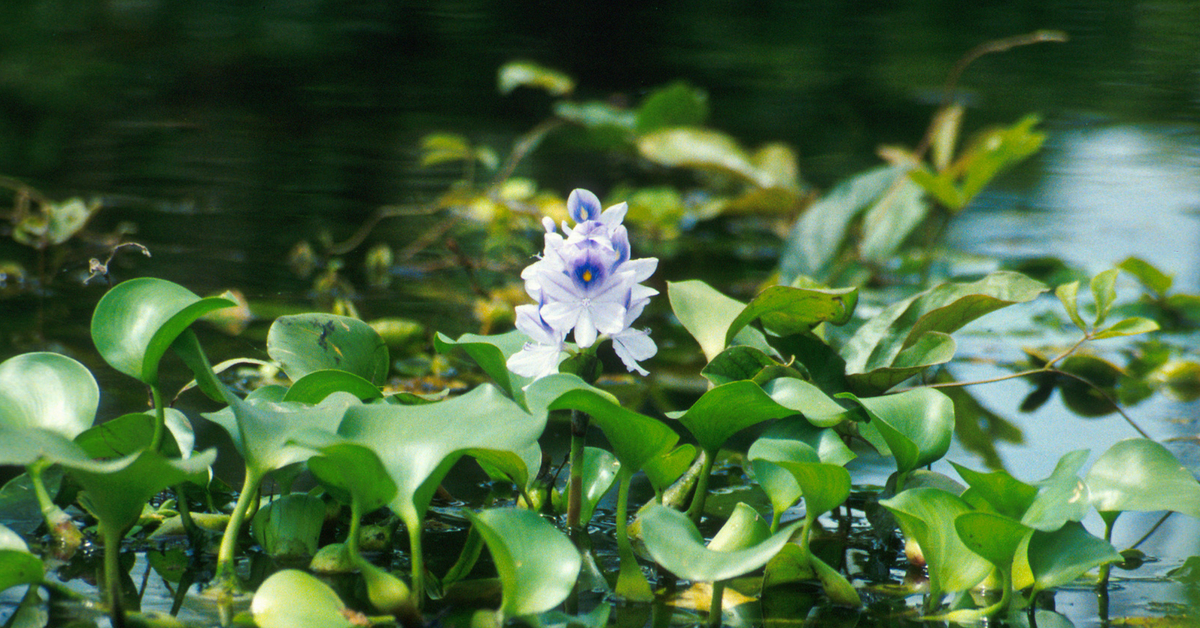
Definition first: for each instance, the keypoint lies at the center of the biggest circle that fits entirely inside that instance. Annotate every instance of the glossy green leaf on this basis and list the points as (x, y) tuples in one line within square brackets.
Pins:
[(927, 515), (837, 588), (263, 430), (599, 472), (675, 543), (47, 391), (931, 349), (1104, 292), (490, 353), (136, 321), (819, 234), (516, 74), (992, 152), (314, 387), (1060, 556), (305, 343), (1068, 294), (1062, 497), (419, 444), (785, 310), (17, 565), (635, 438), (1131, 326), (916, 424), (743, 529), (805, 398), (994, 537), (130, 433), (824, 486), (1002, 492), (943, 309), (115, 491), (351, 470), (1148, 275), (536, 563), (725, 410), (738, 363), (677, 104), (291, 598), (1141, 475), (289, 527), (792, 439), (665, 469), (708, 314)]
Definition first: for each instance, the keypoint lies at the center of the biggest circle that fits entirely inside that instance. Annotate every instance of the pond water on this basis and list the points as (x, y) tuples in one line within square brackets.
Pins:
[(228, 135)]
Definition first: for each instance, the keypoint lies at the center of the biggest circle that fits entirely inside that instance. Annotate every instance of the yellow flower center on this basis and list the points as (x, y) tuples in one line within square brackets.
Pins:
[(587, 276)]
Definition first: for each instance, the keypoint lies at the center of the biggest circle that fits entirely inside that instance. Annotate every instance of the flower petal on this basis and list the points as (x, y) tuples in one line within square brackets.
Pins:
[(583, 205)]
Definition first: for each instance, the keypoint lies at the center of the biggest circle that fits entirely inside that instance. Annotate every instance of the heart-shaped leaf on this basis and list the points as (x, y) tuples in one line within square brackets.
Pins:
[(130, 433), (675, 543), (353, 472), (289, 527), (805, 398), (917, 425), (1060, 556), (305, 343), (47, 391), (725, 410), (1140, 474), (17, 565), (994, 537), (824, 486), (708, 314), (785, 310), (536, 563), (927, 515), (314, 387), (291, 598), (136, 321)]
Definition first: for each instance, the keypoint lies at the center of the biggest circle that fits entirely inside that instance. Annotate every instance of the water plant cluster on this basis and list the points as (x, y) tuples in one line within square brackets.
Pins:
[(812, 381), (767, 362)]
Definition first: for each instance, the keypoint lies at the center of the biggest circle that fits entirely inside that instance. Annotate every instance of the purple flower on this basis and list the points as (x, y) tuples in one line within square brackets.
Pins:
[(586, 283)]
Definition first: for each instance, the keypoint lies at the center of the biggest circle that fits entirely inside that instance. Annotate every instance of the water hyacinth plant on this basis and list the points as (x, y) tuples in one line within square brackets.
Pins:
[(810, 405)]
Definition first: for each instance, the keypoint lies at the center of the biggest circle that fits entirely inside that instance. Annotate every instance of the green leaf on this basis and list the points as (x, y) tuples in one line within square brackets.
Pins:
[(994, 152), (994, 537), (743, 529), (1149, 276), (1006, 494), (785, 310), (1104, 292), (819, 234), (1141, 475), (701, 149), (1068, 295), (663, 470), (353, 471), (880, 342), (291, 598), (1131, 326), (738, 363), (536, 563), (599, 472), (136, 321), (289, 527), (314, 387), (725, 410), (1062, 497), (927, 515), (115, 491), (17, 565), (1060, 556), (263, 430), (130, 433), (890, 222), (516, 74), (708, 314), (824, 486), (635, 438), (676, 544), (419, 444), (805, 398), (792, 439), (916, 424), (490, 353), (47, 391), (677, 104), (837, 588), (305, 343)]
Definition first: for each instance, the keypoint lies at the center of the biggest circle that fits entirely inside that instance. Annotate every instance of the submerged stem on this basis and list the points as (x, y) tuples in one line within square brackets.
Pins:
[(715, 611), (112, 574)]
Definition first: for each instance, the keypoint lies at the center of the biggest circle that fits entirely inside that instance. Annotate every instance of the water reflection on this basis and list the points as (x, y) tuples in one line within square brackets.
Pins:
[(1100, 194)]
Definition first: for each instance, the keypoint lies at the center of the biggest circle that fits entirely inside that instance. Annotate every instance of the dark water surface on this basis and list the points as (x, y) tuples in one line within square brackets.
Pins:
[(228, 132)]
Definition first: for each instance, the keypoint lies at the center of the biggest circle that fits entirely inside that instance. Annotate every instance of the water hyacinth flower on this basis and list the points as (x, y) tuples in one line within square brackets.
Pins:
[(584, 283)]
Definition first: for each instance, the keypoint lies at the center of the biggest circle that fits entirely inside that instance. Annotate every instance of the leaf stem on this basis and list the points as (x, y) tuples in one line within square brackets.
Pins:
[(715, 611), (226, 574), (631, 582), (579, 428), (417, 562), (696, 510), (112, 574), (160, 419)]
